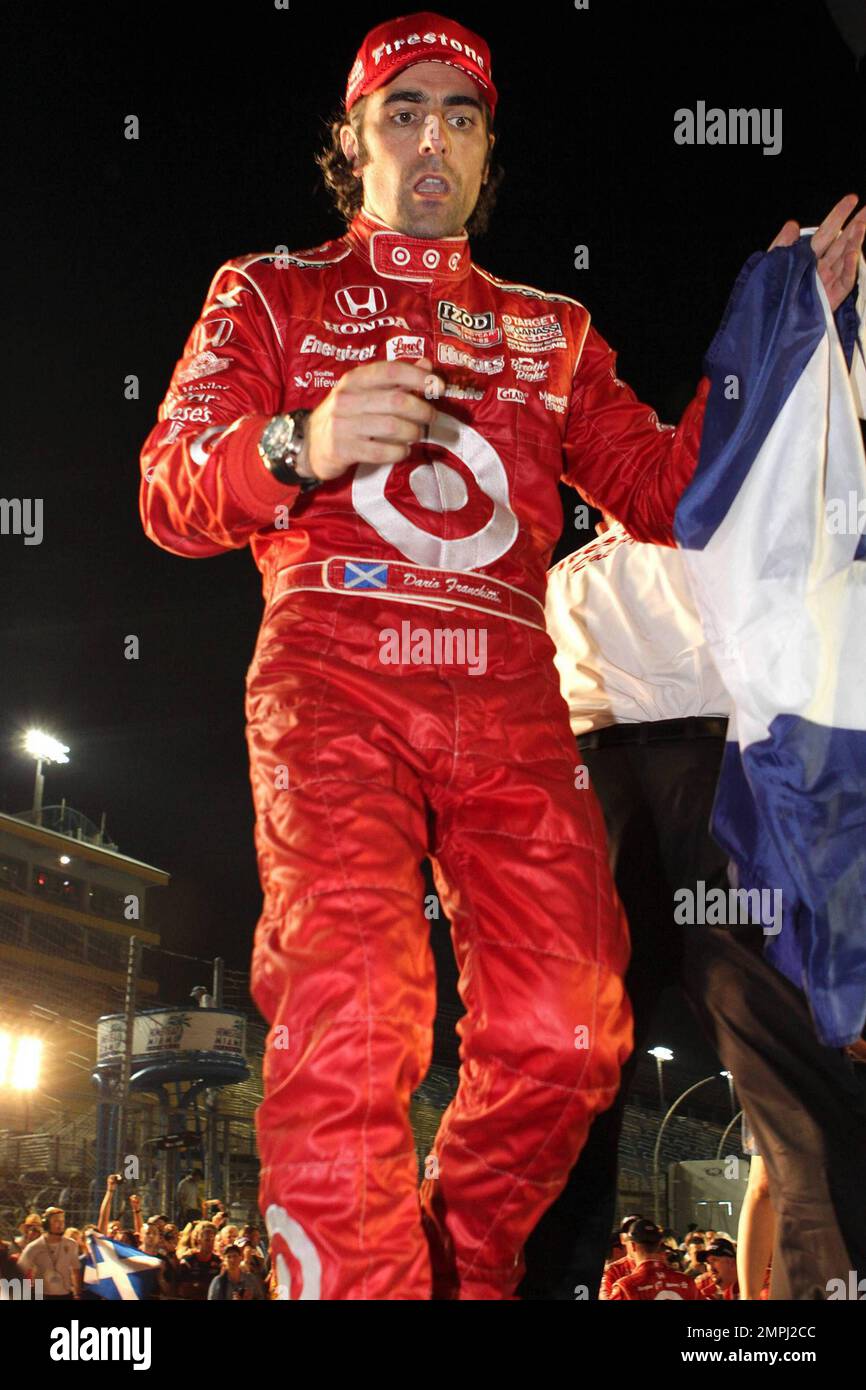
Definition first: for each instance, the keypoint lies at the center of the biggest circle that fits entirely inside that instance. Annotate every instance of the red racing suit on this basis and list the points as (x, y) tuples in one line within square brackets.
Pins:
[(374, 742), (653, 1280)]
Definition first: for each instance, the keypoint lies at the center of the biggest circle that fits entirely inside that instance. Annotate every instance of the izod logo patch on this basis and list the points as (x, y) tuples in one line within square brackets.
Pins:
[(477, 330)]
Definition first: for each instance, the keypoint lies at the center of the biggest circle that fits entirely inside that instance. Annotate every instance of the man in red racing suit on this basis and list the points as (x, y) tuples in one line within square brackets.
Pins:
[(361, 766)]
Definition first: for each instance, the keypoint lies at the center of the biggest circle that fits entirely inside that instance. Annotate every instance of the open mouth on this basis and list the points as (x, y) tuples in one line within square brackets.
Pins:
[(432, 186)]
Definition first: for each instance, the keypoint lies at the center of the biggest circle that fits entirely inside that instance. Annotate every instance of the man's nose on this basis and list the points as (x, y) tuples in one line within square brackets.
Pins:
[(433, 135)]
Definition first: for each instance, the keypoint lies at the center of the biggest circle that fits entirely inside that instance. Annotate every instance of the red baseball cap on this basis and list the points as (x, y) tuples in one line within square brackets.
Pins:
[(419, 38)]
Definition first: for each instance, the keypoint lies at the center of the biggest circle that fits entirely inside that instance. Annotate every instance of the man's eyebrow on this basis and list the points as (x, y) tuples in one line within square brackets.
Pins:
[(419, 97)]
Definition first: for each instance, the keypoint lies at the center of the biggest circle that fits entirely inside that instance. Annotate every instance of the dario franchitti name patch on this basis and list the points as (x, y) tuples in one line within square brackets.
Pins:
[(477, 330), (541, 334)]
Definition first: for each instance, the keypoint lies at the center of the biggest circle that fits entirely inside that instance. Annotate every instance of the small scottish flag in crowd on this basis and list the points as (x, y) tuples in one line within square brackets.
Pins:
[(776, 557), (119, 1271)]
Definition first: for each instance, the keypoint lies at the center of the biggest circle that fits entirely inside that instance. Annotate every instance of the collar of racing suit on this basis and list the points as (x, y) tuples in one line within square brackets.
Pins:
[(445, 260)]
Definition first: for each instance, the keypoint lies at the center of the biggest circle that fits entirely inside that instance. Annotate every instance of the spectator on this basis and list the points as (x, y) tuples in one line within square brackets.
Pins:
[(84, 1290), (190, 1197), (30, 1228), (617, 1268), (721, 1282), (8, 1261), (201, 1266), (696, 1246), (652, 1277), (169, 1276), (104, 1222), (52, 1258), (252, 1262), (151, 1239), (254, 1235), (234, 1283), (691, 1230), (135, 1207), (226, 1235)]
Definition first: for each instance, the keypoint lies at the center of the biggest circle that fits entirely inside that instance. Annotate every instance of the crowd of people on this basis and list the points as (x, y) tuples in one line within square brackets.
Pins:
[(648, 1263), (217, 1261), (203, 1255)]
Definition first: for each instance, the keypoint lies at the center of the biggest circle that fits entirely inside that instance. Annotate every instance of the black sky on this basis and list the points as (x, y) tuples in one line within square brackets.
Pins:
[(110, 246)]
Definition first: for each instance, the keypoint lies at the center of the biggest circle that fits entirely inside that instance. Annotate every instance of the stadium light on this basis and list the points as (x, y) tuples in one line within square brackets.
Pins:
[(20, 1060), (44, 749), (662, 1055)]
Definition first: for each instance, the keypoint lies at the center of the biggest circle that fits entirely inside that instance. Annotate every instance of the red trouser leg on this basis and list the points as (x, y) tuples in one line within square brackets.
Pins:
[(342, 970), (542, 944)]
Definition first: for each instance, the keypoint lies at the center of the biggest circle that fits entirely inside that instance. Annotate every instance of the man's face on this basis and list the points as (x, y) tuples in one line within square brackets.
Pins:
[(56, 1223), (233, 1259), (427, 123), (205, 1242), (724, 1269)]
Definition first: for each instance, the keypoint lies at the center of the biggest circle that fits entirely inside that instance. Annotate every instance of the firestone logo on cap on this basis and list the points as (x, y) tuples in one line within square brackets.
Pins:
[(419, 38)]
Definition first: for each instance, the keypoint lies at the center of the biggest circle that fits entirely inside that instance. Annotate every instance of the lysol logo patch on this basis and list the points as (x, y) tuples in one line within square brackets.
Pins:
[(405, 347)]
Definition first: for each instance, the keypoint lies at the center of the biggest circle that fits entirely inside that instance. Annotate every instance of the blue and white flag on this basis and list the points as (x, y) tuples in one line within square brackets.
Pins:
[(772, 533), (118, 1271)]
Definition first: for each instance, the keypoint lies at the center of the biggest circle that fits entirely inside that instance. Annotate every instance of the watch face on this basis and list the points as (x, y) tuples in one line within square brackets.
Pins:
[(278, 434)]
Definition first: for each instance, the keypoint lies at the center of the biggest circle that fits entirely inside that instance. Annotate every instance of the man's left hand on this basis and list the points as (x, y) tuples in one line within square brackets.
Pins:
[(837, 250)]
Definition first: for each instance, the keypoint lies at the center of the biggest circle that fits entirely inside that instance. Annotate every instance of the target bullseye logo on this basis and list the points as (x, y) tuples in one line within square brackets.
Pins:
[(288, 1234), (431, 259), (400, 255), (439, 489)]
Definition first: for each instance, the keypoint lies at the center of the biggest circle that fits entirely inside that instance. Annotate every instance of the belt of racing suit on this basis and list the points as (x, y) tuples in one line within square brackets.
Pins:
[(405, 583)]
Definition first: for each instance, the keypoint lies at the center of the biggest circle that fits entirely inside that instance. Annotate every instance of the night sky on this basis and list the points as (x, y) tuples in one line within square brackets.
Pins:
[(111, 244)]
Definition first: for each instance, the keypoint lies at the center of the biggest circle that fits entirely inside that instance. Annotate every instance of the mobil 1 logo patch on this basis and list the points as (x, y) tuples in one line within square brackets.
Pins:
[(476, 330)]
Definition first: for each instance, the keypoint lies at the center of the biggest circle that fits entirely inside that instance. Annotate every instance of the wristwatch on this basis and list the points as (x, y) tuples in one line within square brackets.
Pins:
[(280, 446)]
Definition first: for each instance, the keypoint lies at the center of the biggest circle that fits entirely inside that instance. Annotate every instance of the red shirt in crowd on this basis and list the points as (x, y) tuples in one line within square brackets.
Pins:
[(655, 1279), (617, 1269)]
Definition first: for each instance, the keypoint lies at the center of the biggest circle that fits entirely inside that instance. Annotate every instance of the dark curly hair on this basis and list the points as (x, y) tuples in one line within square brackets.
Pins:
[(347, 190)]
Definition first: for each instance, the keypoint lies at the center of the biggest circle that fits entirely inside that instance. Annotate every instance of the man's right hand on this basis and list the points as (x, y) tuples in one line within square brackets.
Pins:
[(374, 414)]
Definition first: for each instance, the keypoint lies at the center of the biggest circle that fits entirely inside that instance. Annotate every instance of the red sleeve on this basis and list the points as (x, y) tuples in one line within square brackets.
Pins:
[(618, 1293), (204, 488), (618, 455)]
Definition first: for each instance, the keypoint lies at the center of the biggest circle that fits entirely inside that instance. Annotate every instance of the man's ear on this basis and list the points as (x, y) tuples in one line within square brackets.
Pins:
[(349, 142), (491, 141)]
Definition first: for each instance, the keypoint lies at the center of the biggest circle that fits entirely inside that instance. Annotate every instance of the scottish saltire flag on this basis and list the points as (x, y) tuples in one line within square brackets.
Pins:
[(772, 532), (119, 1271), (360, 575)]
